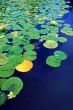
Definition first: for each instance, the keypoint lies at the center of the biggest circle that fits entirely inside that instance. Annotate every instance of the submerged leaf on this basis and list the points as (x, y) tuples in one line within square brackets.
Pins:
[(3, 98)]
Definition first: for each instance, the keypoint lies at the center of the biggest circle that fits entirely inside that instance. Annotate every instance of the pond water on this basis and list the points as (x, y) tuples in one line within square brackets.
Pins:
[(47, 88)]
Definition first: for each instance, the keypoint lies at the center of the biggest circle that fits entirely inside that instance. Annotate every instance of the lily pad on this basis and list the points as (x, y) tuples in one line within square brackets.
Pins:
[(62, 39), (30, 55), (29, 47), (53, 62), (1, 82), (3, 59), (6, 70), (15, 59), (60, 55), (13, 84), (50, 44), (25, 66), (52, 35), (16, 49)]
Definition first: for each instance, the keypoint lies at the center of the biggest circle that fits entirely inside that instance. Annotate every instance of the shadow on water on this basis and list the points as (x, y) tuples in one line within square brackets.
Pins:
[(47, 88)]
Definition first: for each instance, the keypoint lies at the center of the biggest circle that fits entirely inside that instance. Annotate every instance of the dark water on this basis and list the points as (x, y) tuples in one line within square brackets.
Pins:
[(46, 88)]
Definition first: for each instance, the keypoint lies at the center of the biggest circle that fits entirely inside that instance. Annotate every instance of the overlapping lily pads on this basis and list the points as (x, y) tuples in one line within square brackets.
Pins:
[(60, 55), (56, 59), (53, 62), (18, 27), (13, 84)]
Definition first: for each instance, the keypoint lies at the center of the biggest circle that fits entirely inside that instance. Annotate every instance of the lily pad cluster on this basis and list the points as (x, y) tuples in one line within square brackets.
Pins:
[(56, 59), (19, 20)]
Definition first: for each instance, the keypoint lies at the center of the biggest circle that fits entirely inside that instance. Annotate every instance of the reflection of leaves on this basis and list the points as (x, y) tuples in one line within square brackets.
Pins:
[(13, 84)]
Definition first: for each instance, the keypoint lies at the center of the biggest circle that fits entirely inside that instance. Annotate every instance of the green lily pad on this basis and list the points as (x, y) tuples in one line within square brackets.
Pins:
[(3, 59), (15, 60), (29, 47), (60, 55), (13, 84), (53, 62), (3, 98), (53, 35), (30, 55), (62, 39), (44, 31), (6, 70), (1, 82), (16, 49)]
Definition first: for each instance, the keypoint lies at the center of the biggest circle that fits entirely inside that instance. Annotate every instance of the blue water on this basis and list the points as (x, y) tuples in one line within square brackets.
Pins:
[(47, 88)]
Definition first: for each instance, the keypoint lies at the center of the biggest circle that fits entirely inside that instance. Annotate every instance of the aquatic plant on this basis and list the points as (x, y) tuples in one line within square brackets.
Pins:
[(56, 59), (18, 27)]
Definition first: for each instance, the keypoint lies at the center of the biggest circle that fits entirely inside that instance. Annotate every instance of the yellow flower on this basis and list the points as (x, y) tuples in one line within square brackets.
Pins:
[(25, 66), (11, 95), (53, 23)]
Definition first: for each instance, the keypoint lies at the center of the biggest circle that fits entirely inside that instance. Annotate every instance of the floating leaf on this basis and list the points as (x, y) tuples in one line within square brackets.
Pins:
[(62, 39), (3, 59), (29, 47), (30, 55), (24, 66), (60, 55), (2, 26), (1, 82), (15, 59), (6, 70), (16, 49), (13, 84), (52, 61), (50, 44), (52, 35), (44, 31)]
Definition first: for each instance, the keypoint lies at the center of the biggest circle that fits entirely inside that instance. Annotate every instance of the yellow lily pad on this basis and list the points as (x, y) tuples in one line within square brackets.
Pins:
[(53, 23), (25, 66), (2, 26), (51, 44), (15, 33)]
